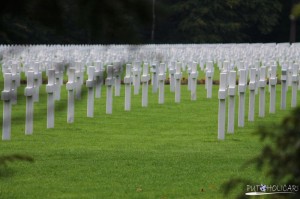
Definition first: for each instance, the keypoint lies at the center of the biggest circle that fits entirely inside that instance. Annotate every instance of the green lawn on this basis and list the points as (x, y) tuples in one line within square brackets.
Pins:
[(162, 151)]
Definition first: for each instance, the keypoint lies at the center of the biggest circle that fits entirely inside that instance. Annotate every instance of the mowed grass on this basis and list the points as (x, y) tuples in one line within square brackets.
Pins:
[(162, 151)]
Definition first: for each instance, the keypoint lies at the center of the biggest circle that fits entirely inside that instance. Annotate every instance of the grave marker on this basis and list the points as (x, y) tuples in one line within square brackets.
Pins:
[(109, 84), (154, 79), (161, 79), (272, 82), (144, 79), (90, 83), (171, 76), (209, 78), (242, 90), (136, 77), (7, 96), (262, 93), (252, 94), (117, 75), (98, 78), (29, 93), (50, 89), (295, 82), (71, 86), (127, 82), (177, 77), (78, 79), (283, 87), (222, 106), (193, 77), (37, 81), (231, 103)]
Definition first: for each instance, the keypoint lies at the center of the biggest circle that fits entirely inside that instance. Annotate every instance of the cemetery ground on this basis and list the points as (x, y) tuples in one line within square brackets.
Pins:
[(165, 150)]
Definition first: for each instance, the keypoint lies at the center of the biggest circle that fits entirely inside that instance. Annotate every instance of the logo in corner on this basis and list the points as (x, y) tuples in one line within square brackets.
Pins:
[(263, 188)]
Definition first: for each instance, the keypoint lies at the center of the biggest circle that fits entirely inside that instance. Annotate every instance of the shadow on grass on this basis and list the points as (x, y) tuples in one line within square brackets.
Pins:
[(5, 171)]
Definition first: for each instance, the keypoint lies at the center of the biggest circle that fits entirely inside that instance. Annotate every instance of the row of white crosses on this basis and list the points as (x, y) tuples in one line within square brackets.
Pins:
[(227, 89), (95, 79)]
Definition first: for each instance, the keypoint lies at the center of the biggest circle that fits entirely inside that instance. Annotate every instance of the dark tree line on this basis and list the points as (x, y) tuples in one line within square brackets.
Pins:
[(132, 21)]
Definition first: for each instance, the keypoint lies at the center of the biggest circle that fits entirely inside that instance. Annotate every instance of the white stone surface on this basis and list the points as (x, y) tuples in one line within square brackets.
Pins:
[(231, 101), (222, 106), (127, 82)]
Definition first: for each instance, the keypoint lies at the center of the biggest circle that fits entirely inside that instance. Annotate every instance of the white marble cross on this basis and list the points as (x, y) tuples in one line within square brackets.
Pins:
[(117, 76), (272, 83), (78, 78), (189, 70), (58, 80), (154, 80), (90, 84), (283, 86), (295, 82), (177, 77), (209, 78), (193, 79), (136, 77), (29, 93), (262, 93), (242, 91), (252, 85), (222, 106), (144, 79), (231, 102), (127, 82), (16, 77), (7, 97), (171, 76), (98, 78), (50, 89), (71, 86), (109, 93), (37, 81), (161, 82)]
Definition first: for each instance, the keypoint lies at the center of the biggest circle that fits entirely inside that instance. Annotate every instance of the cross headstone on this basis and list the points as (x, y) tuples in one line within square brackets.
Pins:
[(222, 106), (37, 81), (161, 82), (90, 83), (109, 84), (262, 93), (136, 77), (78, 78), (29, 93), (117, 74), (154, 80), (252, 85), (171, 76), (58, 80), (98, 78), (295, 82), (231, 102), (209, 78), (177, 77), (283, 86), (15, 75), (242, 91), (71, 86), (50, 89), (127, 82), (7, 96), (193, 78), (144, 79), (273, 82), (189, 70)]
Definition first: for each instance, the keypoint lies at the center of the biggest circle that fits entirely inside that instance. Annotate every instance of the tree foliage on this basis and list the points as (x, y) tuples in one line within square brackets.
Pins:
[(279, 156), (130, 21)]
